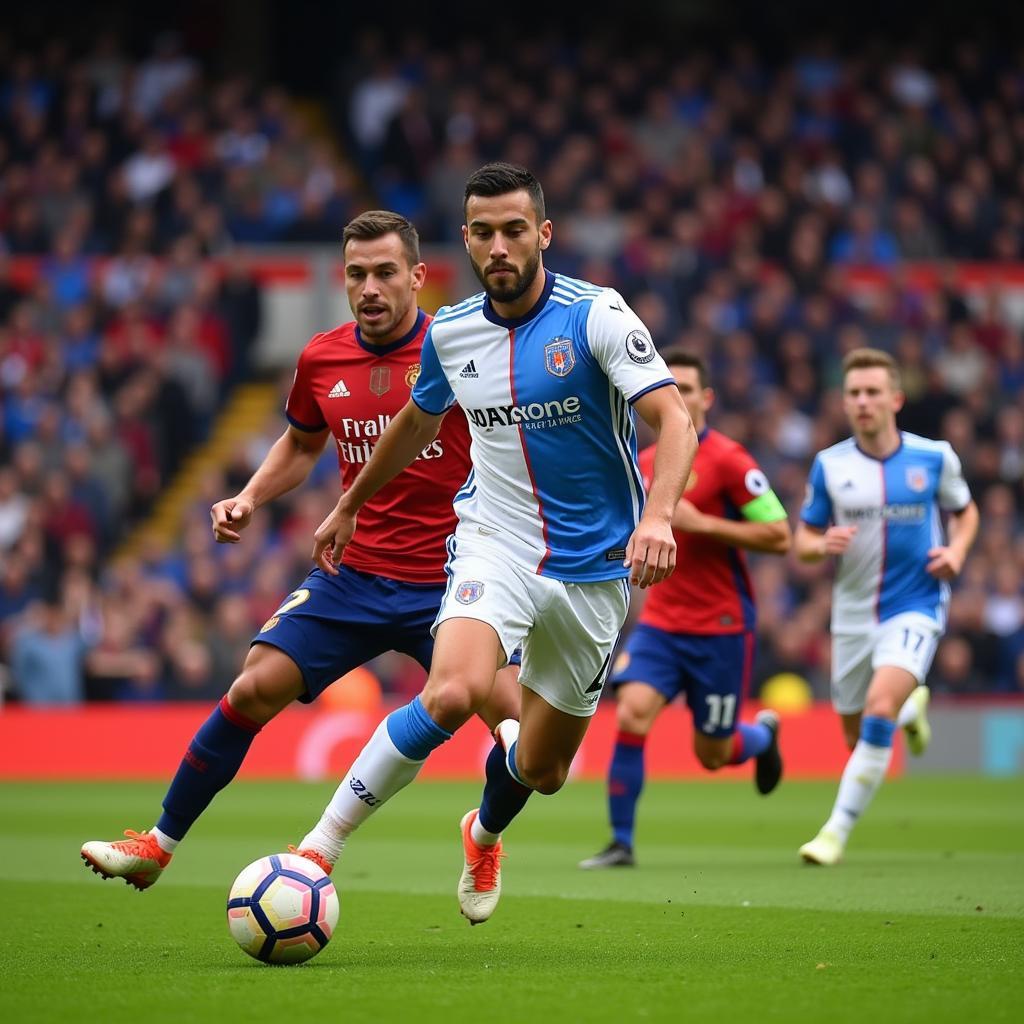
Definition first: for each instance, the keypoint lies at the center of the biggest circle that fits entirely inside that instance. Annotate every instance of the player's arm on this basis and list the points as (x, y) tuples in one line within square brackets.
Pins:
[(815, 539), (764, 525), (403, 439), (651, 552), (946, 562), (812, 543), (764, 529), (290, 460)]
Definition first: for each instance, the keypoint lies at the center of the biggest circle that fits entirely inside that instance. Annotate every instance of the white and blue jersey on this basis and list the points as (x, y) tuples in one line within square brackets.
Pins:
[(894, 503), (547, 397)]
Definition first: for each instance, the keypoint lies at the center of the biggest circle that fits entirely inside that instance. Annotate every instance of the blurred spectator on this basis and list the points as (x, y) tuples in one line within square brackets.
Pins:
[(47, 654)]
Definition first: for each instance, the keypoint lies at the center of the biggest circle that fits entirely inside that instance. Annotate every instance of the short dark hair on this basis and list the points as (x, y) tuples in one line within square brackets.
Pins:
[(499, 178), (680, 357), (868, 359), (377, 223)]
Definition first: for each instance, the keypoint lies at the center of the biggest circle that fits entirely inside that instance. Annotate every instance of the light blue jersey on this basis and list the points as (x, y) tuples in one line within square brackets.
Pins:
[(547, 397), (894, 503)]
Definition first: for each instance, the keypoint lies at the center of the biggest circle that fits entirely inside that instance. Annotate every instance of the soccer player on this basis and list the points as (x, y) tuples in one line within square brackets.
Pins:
[(548, 371), (349, 382), (882, 491), (696, 631)]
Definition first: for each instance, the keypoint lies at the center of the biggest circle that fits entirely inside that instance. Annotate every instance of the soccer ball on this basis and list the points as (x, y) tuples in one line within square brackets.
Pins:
[(282, 909)]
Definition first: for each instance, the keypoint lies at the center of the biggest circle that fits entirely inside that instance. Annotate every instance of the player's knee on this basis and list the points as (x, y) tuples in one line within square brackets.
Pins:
[(882, 705), (712, 754), (545, 781), (451, 702), (632, 719), (712, 760), (256, 697)]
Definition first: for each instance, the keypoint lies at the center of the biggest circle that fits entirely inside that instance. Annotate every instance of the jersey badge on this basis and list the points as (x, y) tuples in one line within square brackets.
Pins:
[(917, 478), (468, 592), (559, 357), (270, 623), (691, 481), (380, 380), (339, 391), (412, 375), (639, 347)]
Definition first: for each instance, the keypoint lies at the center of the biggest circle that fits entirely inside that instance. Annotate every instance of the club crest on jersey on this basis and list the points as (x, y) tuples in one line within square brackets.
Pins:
[(917, 478), (559, 357), (639, 347), (380, 380), (270, 623), (412, 375), (468, 592)]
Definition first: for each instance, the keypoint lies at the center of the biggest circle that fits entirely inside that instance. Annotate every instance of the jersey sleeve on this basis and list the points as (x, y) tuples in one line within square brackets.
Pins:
[(301, 408), (953, 493), (748, 489), (817, 507), (623, 348), (432, 392)]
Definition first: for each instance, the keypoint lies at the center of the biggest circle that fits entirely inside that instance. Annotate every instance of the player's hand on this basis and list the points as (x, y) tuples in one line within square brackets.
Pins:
[(230, 517), (687, 518), (650, 553), (836, 539), (944, 563), (331, 538)]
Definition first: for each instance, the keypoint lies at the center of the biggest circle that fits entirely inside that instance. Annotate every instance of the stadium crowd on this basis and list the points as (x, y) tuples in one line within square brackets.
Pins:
[(728, 199)]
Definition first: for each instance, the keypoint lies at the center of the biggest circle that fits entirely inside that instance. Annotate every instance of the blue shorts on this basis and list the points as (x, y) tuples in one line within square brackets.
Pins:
[(333, 624), (713, 671)]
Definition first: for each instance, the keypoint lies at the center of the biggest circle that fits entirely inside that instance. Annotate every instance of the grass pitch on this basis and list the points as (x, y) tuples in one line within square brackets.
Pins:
[(720, 922)]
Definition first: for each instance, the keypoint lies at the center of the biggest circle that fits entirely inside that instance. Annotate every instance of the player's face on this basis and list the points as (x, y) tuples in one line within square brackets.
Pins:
[(871, 401), (382, 287), (696, 399), (504, 242)]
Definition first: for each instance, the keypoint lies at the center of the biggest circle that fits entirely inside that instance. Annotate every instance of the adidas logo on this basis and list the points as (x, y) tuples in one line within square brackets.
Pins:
[(339, 391), (469, 370)]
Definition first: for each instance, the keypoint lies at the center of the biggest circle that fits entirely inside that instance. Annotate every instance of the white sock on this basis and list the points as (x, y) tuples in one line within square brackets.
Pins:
[(908, 713), (163, 840), (328, 836), (480, 835), (377, 774), (862, 776)]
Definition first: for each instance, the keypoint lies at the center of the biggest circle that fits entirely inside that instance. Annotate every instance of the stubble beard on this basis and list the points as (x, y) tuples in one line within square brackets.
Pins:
[(519, 286)]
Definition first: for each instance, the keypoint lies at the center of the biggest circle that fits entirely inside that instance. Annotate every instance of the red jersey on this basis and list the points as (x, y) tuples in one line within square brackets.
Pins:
[(710, 590), (354, 389)]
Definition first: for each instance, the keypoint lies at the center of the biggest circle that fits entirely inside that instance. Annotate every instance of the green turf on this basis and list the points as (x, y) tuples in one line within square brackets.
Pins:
[(720, 923)]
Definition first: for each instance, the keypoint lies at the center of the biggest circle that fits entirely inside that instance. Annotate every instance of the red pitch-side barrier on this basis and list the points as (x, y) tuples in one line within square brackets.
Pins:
[(147, 741)]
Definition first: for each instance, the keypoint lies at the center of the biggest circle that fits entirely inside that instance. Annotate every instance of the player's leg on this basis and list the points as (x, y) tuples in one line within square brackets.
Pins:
[(851, 728), (300, 650), (479, 625), (851, 677), (536, 757), (866, 768), (637, 707), (719, 669), (467, 654), (566, 656), (903, 652), (647, 675), (268, 682)]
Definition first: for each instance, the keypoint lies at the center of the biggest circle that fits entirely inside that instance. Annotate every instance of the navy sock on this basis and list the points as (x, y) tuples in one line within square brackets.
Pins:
[(210, 763), (504, 797), (625, 783), (748, 741)]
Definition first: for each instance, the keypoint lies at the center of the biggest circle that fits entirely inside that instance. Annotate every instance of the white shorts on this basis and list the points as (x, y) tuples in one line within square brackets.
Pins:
[(567, 630), (905, 641)]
